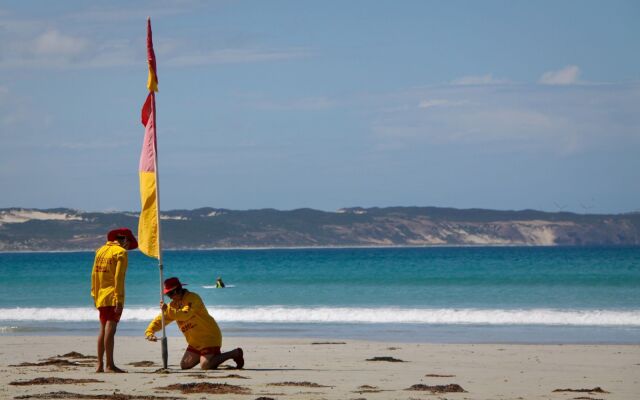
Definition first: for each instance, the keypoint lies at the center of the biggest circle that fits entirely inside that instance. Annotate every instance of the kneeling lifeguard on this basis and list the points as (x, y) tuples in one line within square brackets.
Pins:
[(198, 327)]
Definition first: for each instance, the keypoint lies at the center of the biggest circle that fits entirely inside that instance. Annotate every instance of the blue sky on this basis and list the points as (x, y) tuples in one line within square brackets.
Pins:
[(326, 104)]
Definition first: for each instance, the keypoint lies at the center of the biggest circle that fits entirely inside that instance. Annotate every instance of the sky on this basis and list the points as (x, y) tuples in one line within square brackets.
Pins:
[(505, 105)]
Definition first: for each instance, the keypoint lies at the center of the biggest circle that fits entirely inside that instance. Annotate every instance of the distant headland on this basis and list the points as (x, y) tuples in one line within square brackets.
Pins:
[(62, 229)]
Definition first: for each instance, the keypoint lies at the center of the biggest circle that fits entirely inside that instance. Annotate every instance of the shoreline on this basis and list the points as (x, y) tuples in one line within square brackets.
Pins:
[(427, 334), (323, 368), (373, 247)]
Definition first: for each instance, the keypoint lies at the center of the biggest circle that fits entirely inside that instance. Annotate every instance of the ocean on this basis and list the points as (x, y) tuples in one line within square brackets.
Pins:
[(438, 295)]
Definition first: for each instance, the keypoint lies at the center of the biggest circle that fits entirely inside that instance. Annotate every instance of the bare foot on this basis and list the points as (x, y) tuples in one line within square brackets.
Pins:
[(239, 359), (115, 370), (99, 368)]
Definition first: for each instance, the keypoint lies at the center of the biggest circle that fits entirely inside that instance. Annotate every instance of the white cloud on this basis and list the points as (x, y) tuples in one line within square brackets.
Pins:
[(565, 76), (12, 110), (88, 145), (439, 103), (115, 53), (58, 43), (54, 43), (132, 12), (524, 118), (32, 45), (487, 79), (53, 49), (234, 56), (302, 104)]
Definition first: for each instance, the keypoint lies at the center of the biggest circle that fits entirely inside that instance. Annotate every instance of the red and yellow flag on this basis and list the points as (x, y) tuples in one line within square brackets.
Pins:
[(152, 81), (148, 228)]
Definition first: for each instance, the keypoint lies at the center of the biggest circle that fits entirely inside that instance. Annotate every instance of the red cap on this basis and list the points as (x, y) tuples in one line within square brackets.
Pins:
[(172, 283), (113, 235)]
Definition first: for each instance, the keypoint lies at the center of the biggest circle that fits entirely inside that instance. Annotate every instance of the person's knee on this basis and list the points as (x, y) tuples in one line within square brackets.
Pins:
[(211, 362), (111, 327), (188, 363), (189, 360)]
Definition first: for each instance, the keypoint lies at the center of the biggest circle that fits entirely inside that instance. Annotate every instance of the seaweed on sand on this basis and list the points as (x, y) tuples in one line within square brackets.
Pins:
[(450, 388), (303, 384), (75, 354), (142, 363), (389, 359), (114, 396), (596, 389), (206, 387), (52, 381), (51, 361)]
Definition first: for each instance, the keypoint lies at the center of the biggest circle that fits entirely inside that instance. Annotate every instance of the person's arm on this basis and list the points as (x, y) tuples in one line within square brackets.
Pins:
[(122, 262), (187, 311), (94, 283), (95, 279), (155, 326)]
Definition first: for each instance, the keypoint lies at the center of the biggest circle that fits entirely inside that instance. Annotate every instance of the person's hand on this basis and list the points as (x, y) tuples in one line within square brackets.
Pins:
[(118, 309), (163, 305), (151, 338)]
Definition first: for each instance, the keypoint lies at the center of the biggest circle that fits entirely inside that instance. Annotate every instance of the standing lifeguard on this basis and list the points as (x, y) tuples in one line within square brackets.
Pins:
[(107, 289)]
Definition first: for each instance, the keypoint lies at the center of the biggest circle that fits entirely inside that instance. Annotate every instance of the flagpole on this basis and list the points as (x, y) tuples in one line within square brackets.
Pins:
[(147, 232), (165, 353)]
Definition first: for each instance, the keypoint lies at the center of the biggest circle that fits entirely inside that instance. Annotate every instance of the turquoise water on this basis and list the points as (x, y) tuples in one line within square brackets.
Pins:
[(582, 292)]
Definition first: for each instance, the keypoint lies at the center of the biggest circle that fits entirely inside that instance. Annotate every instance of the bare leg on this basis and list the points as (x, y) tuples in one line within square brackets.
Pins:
[(212, 362), (189, 360), (99, 367), (109, 344)]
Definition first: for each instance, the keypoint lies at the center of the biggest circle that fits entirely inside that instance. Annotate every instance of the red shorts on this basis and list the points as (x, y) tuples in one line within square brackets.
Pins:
[(108, 313), (207, 350)]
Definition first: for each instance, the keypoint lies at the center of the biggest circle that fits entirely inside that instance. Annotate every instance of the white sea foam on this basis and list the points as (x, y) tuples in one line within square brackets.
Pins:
[(8, 329), (280, 314)]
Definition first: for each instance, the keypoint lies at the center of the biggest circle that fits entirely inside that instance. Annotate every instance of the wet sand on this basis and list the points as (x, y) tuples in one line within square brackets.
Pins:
[(50, 367)]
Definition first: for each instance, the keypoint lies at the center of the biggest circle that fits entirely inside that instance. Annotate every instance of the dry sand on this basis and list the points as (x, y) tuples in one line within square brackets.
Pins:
[(321, 369)]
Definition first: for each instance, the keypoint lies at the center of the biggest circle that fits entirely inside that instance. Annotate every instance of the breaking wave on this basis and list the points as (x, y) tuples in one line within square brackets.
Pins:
[(281, 314)]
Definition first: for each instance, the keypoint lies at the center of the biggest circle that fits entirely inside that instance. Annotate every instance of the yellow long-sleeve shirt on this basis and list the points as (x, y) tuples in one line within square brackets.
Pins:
[(193, 319), (108, 274)]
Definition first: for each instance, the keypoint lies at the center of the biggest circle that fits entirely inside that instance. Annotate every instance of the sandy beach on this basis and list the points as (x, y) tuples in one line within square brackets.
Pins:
[(41, 367)]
